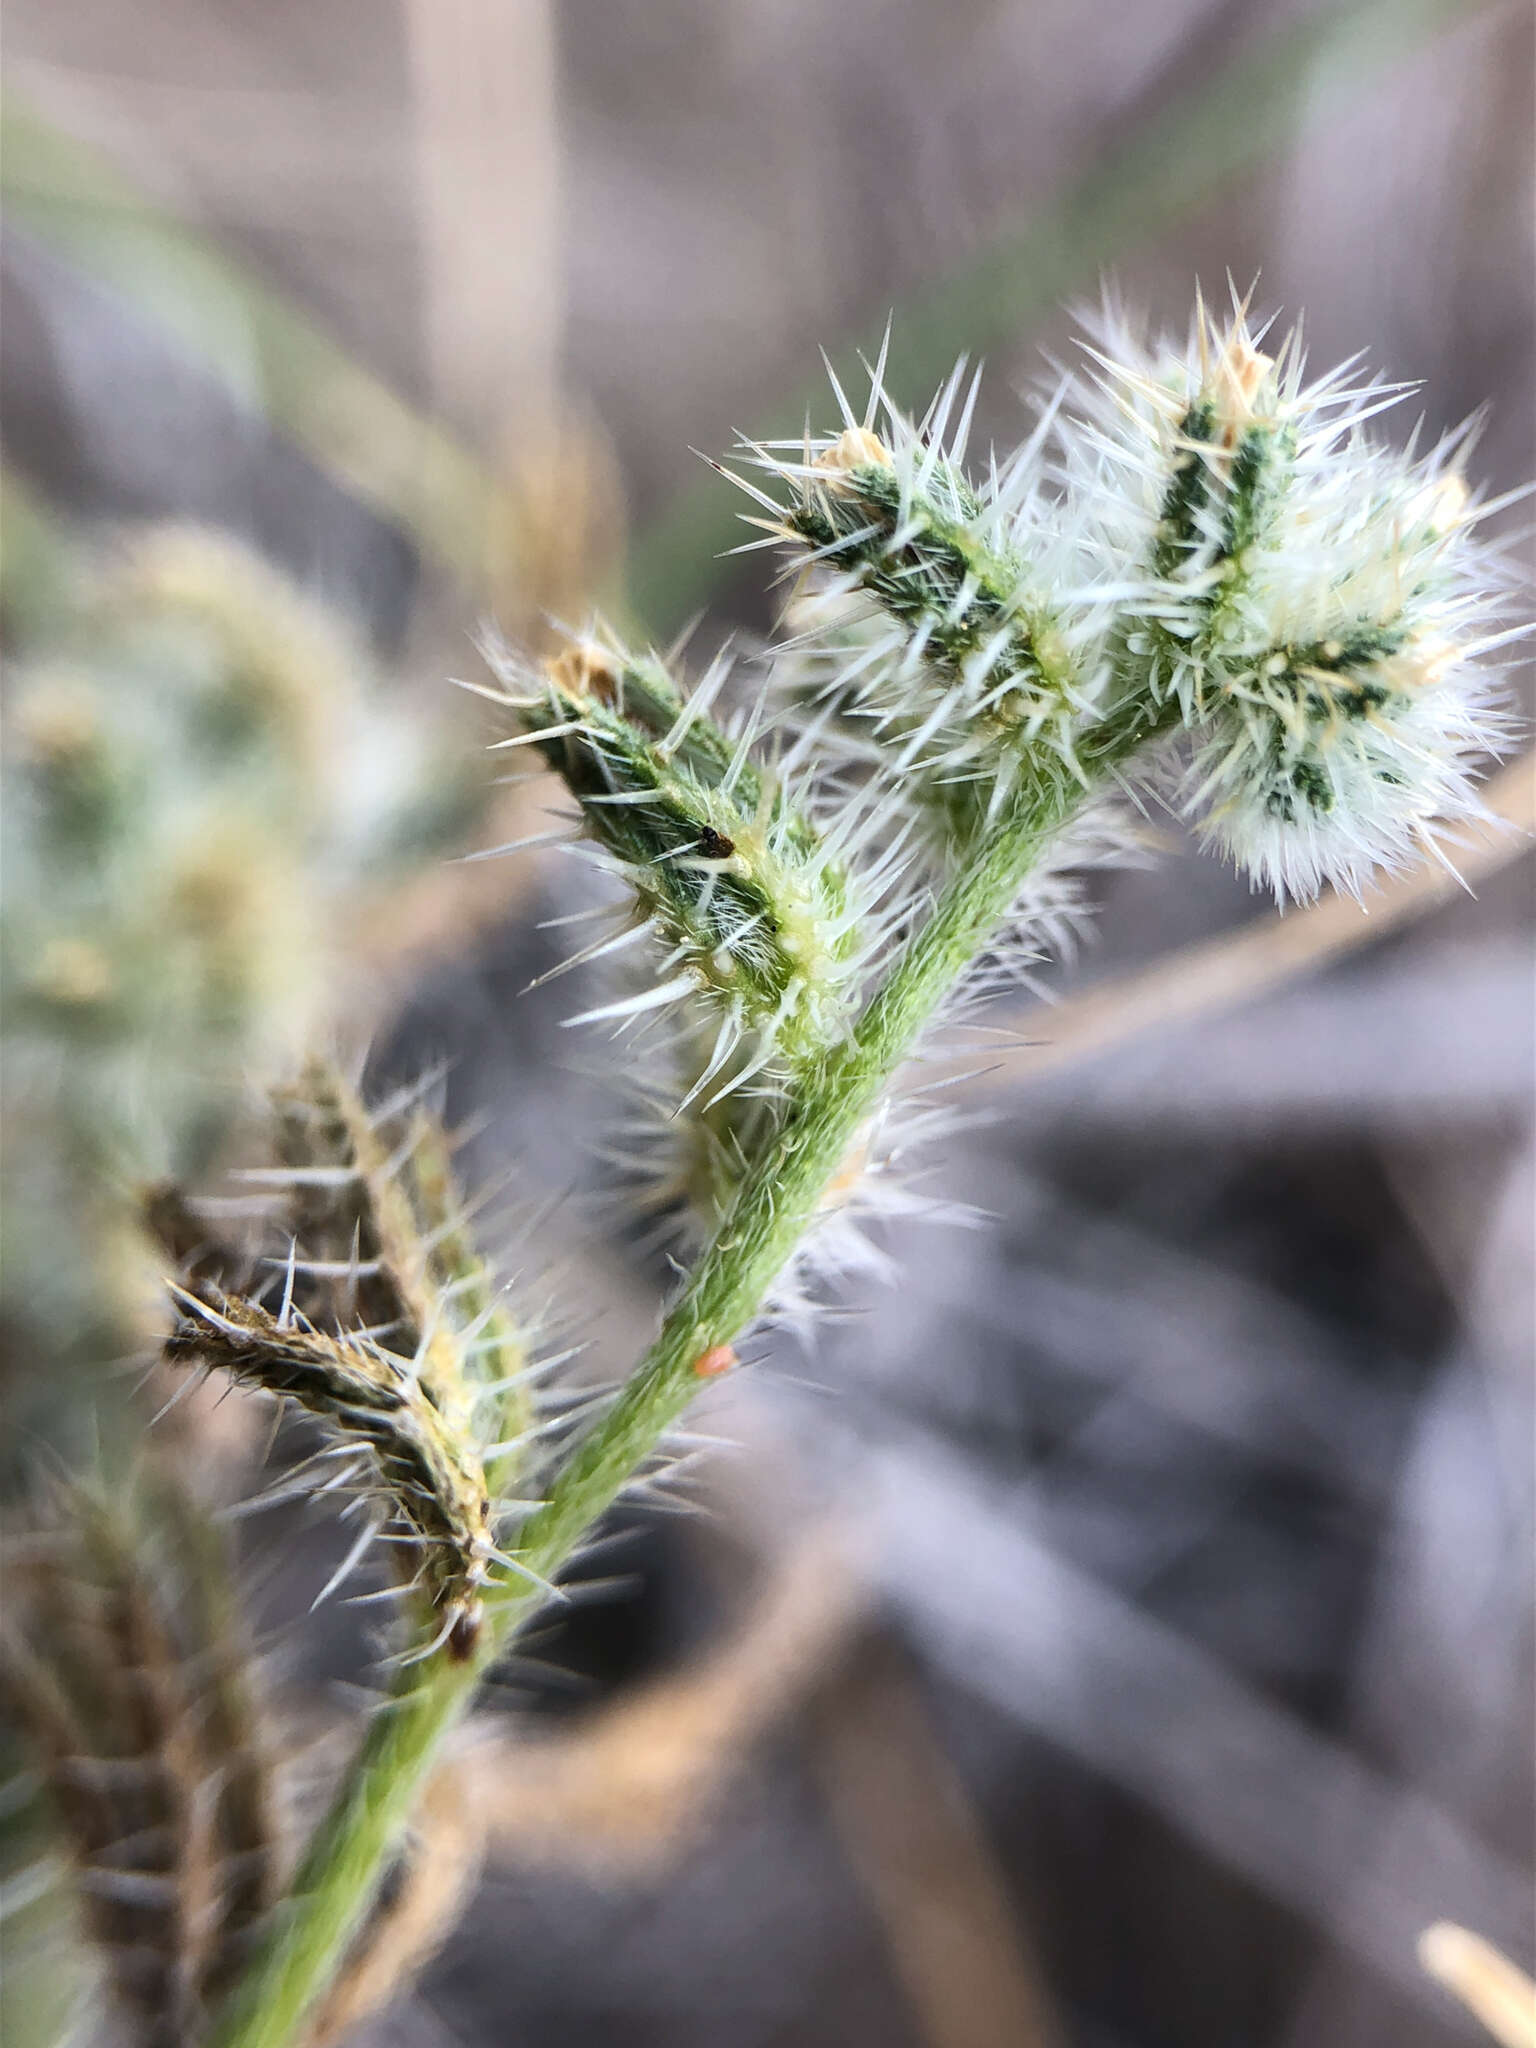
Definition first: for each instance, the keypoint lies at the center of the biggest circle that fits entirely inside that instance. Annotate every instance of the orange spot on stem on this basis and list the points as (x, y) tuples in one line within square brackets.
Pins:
[(718, 1359)]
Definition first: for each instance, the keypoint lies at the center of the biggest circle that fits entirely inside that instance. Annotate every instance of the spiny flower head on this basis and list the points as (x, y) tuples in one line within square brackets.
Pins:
[(1197, 534), (134, 1685), (391, 1331), (756, 912), (1313, 602), (932, 606), (429, 1475)]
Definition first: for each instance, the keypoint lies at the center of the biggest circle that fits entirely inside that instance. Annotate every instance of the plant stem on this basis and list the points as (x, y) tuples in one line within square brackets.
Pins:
[(335, 1885), (346, 1859)]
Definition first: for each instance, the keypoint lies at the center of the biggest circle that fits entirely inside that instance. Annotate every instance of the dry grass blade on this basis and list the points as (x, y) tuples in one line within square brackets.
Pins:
[(1487, 1983), (393, 459), (484, 91), (915, 1840)]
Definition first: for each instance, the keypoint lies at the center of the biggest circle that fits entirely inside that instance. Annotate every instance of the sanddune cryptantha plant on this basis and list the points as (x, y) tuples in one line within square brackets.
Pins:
[(1199, 579)]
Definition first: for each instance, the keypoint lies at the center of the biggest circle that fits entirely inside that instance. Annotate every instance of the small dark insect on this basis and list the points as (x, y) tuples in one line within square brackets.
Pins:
[(464, 1636), (714, 845)]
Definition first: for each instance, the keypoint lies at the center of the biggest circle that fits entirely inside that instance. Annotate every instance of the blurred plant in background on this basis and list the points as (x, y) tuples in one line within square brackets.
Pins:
[(203, 783)]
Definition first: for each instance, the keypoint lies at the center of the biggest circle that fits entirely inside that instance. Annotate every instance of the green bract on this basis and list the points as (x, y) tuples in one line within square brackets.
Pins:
[(754, 912)]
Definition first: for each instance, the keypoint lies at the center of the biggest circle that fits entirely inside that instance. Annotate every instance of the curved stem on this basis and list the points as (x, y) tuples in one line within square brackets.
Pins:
[(335, 1885)]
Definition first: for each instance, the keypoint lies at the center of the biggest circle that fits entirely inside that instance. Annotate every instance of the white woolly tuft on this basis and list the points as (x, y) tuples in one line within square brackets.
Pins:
[(1319, 605), (1195, 523)]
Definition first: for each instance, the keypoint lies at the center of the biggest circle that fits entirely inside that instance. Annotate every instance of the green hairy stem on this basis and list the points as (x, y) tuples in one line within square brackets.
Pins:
[(348, 1856)]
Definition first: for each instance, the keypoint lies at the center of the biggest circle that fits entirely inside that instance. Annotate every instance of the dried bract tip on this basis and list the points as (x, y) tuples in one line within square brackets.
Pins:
[(854, 448), (1240, 374), (585, 669)]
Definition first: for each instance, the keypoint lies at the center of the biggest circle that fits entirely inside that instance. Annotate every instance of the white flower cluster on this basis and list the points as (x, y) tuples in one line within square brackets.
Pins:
[(1317, 603), (1197, 530)]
